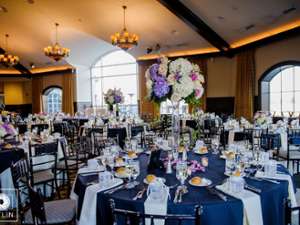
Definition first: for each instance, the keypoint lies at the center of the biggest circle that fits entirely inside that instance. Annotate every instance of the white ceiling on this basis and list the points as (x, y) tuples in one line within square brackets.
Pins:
[(229, 18), (86, 25)]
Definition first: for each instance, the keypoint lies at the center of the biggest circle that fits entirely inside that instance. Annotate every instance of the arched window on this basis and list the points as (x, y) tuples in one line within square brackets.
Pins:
[(280, 89), (52, 98), (117, 69)]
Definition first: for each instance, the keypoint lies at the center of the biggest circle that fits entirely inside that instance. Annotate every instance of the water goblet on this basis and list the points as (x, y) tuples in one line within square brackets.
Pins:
[(135, 171), (182, 172)]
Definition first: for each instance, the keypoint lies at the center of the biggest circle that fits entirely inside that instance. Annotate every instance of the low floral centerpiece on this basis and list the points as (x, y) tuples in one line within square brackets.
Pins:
[(113, 97), (7, 129), (262, 118)]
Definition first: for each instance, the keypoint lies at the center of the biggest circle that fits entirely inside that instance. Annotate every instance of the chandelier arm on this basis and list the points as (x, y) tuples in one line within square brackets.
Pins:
[(124, 16), (6, 42), (56, 36)]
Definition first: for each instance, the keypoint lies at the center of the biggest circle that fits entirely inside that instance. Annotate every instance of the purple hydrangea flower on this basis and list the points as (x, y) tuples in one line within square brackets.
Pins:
[(154, 71), (161, 87), (177, 76), (194, 76), (118, 99)]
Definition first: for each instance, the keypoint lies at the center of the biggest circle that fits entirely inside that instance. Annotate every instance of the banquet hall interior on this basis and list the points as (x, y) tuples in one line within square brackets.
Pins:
[(131, 112)]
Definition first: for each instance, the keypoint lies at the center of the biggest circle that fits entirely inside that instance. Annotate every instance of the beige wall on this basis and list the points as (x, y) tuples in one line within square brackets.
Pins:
[(17, 93), (221, 77), (222, 70)]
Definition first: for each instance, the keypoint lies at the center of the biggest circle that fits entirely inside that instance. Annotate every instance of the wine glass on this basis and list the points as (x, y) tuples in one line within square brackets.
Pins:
[(134, 171), (110, 161), (215, 142), (175, 154), (182, 172)]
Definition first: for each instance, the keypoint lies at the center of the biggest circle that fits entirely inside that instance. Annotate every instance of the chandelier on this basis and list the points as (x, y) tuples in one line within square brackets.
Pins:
[(8, 59), (56, 51), (124, 39)]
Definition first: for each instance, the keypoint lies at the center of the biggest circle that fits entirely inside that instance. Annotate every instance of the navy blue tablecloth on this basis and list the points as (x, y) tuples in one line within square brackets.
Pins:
[(215, 211)]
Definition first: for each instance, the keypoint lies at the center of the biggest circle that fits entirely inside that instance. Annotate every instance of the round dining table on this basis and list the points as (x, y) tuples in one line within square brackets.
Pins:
[(215, 211)]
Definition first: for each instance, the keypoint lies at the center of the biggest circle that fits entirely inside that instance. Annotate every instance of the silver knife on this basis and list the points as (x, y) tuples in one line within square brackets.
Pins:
[(251, 188), (176, 195), (111, 191), (264, 179), (219, 194)]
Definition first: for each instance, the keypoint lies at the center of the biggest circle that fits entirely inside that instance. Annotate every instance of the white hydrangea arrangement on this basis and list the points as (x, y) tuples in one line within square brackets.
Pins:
[(175, 80)]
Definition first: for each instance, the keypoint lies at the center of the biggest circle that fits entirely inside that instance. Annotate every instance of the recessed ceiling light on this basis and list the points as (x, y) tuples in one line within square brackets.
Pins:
[(249, 26)]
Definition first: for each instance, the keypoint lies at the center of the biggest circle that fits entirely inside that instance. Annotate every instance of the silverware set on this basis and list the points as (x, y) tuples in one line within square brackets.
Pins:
[(180, 191), (125, 186)]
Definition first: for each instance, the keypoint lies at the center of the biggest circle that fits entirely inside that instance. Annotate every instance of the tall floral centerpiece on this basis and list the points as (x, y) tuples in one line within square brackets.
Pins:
[(174, 80), (114, 97)]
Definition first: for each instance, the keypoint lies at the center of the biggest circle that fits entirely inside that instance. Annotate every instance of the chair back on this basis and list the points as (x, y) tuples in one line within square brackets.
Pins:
[(39, 127), (136, 217), (39, 150), (20, 170), (37, 206), (293, 136), (22, 128)]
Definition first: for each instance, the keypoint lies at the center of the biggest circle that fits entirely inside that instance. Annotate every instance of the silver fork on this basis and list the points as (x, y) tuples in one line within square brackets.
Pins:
[(178, 190), (139, 194)]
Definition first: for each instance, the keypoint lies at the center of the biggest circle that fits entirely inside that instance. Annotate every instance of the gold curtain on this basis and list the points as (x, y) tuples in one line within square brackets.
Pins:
[(245, 84), (146, 108), (37, 88), (68, 93), (202, 63)]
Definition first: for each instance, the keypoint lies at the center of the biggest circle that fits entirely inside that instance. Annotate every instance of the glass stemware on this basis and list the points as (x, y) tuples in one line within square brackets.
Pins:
[(215, 142), (182, 172), (134, 171)]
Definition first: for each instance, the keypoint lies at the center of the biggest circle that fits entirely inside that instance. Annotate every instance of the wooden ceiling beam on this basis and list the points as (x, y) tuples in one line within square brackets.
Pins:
[(22, 69), (196, 23)]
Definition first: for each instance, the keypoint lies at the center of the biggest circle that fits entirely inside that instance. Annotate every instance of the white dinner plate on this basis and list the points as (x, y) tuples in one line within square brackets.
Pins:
[(228, 174), (200, 153), (161, 178), (205, 182)]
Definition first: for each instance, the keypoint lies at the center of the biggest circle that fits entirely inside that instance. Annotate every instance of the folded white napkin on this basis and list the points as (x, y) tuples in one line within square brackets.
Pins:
[(89, 205), (252, 205), (157, 207), (286, 177)]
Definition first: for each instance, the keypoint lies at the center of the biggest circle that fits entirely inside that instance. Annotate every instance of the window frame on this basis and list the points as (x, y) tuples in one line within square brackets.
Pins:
[(45, 96), (93, 76), (265, 81)]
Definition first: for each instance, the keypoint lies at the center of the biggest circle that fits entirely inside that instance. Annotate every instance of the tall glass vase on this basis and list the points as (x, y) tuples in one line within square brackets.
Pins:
[(176, 124)]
